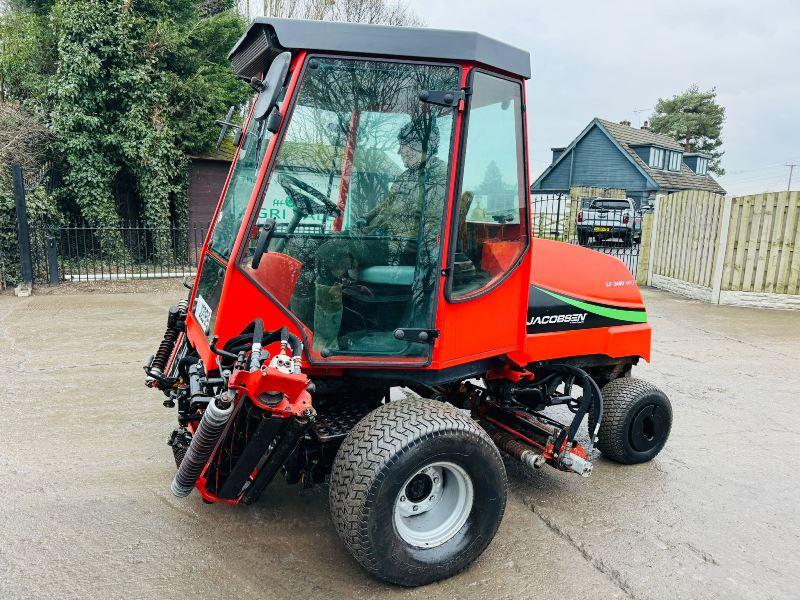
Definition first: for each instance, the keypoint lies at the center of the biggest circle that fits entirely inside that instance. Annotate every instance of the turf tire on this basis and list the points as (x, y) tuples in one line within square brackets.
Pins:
[(371, 467), (623, 400)]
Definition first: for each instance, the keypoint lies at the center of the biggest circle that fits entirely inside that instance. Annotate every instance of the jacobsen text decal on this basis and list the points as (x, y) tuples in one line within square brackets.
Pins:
[(544, 320), (550, 311)]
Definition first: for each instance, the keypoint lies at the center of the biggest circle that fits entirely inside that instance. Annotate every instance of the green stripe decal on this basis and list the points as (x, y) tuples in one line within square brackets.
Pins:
[(618, 314)]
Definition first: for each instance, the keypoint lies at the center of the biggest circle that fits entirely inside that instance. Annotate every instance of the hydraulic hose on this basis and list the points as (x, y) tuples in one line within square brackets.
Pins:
[(592, 401), (244, 341), (204, 440), (598, 409)]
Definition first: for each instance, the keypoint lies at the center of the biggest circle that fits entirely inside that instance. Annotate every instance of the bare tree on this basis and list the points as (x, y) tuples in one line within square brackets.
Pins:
[(24, 139), (383, 12)]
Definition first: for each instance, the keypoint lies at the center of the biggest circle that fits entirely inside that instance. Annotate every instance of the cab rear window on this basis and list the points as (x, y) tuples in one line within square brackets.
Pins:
[(611, 204)]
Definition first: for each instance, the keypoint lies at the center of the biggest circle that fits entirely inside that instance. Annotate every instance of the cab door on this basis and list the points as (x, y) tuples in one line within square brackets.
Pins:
[(489, 264), (356, 200)]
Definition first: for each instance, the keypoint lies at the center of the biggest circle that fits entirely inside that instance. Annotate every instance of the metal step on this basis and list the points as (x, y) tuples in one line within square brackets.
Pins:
[(335, 422)]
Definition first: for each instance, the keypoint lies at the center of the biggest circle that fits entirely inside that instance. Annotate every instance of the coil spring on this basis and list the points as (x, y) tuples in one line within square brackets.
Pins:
[(179, 452), (515, 448), (165, 348), (167, 345), (179, 441), (203, 442)]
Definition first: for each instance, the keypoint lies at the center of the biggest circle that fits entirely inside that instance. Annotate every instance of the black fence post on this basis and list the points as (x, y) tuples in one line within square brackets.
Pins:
[(52, 260), (558, 218), (23, 231)]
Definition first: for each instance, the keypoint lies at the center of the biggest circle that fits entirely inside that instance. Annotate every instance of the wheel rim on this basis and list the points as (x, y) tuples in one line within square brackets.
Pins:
[(433, 504), (648, 428)]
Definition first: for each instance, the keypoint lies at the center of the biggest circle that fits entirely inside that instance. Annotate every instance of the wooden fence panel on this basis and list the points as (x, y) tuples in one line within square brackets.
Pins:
[(739, 242), (790, 279), (665, 237), (775, 241), (687, 236), (764, 238), (644, 249), (751, 255), (708, 240), (790, 230), (762, 251), (759, 264), (699, 225), (789, 271), (730, 248)]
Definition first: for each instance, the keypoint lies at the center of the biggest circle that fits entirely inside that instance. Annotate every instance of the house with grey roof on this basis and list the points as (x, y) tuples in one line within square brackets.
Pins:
[(616, 155)]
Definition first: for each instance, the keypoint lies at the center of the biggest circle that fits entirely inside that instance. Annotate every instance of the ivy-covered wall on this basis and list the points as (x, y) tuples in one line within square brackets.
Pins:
[(126, 90)]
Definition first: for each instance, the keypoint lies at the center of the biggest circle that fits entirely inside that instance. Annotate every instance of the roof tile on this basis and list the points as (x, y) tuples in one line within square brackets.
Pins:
[(627, 137)]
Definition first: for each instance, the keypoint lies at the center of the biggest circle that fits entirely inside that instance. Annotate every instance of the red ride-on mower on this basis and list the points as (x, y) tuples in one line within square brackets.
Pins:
[(375, 232)]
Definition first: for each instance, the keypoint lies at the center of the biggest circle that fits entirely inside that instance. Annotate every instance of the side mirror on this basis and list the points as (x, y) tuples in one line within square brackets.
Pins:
[(271, 86)]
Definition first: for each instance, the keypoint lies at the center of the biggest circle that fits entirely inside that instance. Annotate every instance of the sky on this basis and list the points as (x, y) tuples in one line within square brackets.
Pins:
[(615, 58)]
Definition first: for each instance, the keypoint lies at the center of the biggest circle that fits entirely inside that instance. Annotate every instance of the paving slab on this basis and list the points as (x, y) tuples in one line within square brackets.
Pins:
[(86, 510)]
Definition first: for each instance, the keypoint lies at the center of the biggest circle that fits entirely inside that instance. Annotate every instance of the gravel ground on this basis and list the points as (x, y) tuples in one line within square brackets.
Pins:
[(87, 512)]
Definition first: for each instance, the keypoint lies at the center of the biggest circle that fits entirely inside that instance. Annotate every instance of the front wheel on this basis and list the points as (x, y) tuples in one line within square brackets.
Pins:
[(417, 491)]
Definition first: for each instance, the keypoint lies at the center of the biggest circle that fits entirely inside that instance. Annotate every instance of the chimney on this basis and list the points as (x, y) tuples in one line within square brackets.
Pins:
[(625, 122), (646, 126)]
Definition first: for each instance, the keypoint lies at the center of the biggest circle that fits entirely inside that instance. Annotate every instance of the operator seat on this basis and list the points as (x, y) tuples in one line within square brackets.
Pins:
[(388, 275)]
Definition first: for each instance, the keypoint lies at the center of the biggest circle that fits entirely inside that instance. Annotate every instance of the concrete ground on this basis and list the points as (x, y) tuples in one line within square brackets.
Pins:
[(86, 512)]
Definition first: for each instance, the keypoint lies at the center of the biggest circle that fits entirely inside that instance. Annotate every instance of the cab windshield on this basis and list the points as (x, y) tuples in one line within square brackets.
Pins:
[(357, 196)]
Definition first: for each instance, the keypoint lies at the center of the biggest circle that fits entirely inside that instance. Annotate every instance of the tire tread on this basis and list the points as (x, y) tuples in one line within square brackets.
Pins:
[(618, 396), (367, 454)]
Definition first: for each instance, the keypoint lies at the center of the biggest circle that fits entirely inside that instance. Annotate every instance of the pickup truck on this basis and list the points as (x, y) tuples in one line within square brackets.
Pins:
[(608, 218)]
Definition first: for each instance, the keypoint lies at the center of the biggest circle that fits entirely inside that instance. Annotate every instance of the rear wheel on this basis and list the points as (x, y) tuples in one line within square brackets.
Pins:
[(637, 418), (417, 491)]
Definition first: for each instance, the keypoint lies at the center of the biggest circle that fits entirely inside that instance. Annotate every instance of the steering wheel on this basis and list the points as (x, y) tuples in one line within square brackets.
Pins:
[(301, 194)]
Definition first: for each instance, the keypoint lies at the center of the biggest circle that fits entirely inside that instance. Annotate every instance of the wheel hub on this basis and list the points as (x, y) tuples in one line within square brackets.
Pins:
[(433, 505), (648, 428), (420, 487)]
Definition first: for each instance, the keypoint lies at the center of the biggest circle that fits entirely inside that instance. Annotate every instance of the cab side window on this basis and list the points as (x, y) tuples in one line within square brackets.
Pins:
[(492, 224)]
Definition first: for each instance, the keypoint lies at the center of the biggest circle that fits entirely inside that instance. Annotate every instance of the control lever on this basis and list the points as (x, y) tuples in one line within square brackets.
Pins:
[(267, 229)]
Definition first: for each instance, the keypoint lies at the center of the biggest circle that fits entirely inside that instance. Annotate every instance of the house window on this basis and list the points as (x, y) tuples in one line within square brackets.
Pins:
[(657, 158), (702, 166), (674, 161)]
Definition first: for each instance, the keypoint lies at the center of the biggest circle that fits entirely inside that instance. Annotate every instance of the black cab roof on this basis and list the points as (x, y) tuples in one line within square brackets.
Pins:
[(268, 36)]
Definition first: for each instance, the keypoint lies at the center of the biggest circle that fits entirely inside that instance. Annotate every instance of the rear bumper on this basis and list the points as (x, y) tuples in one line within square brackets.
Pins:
[(613, 230), (616, 342)]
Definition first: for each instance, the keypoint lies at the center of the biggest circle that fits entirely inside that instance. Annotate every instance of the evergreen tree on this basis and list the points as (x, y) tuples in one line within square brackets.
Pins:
[(129, 88), (138, 85), (695, 119)]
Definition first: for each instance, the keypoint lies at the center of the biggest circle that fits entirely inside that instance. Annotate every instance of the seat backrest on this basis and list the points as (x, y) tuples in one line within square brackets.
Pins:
[(499, 256), (388, 275), (278, 273)]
